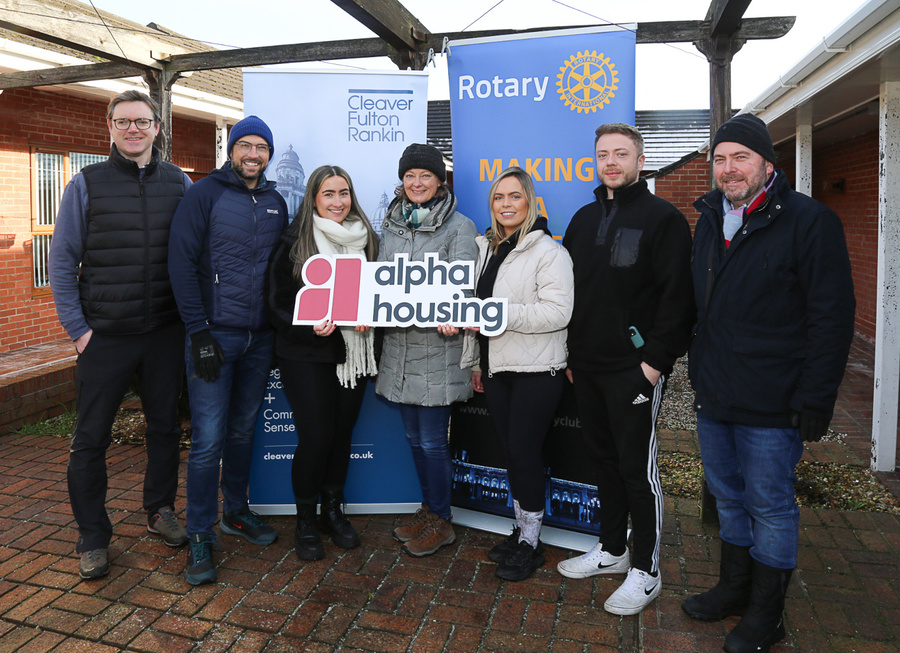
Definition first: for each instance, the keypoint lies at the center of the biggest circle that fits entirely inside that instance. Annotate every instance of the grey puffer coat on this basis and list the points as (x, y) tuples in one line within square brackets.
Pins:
[(419, 366)]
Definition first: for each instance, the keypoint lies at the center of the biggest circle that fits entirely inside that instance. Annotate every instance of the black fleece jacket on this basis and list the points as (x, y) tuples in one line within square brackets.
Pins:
[(632, 259)]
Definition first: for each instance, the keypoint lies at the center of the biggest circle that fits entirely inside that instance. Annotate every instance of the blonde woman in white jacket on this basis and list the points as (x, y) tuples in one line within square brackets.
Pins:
[(522, 370)]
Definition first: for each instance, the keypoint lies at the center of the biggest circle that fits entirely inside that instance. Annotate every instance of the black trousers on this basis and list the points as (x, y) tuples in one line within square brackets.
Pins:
[(522, 407), (103, 373), (325, 413), (618, 419)]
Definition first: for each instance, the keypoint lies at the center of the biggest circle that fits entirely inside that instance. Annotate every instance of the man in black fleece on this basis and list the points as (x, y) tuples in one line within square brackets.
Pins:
[(634, 309)]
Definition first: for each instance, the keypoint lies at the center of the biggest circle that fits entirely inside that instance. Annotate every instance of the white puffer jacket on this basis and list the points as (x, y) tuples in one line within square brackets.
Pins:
[(536, 278)]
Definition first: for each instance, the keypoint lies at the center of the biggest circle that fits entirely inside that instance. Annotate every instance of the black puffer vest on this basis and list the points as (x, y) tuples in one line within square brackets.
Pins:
[(124, 280)]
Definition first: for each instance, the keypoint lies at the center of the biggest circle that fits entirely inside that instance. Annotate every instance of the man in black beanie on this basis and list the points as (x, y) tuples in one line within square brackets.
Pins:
[(775, 309)]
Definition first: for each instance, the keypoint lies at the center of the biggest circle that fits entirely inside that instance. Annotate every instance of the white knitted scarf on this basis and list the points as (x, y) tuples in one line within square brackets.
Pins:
[(348, 237)]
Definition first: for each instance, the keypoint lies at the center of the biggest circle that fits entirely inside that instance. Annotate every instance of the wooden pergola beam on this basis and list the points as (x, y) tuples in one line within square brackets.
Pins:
[(725, 16), (389, 19), (657, 32), (69, 75), (70, 29)]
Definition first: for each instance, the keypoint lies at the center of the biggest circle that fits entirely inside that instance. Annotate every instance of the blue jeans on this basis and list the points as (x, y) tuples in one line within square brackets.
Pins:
[(750, 471), (428, 432), (223, 421)]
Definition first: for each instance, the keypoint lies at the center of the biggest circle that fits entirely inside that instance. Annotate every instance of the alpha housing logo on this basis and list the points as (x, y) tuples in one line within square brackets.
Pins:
[(587, 81), (349, 290)]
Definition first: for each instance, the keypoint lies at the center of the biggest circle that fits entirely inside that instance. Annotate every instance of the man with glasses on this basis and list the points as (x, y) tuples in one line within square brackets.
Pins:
[(110, 280), (222, 237)]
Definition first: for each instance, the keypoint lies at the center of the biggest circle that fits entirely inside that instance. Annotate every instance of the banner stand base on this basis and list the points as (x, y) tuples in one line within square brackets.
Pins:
[(349, 509), (503, 526), (461, 516)]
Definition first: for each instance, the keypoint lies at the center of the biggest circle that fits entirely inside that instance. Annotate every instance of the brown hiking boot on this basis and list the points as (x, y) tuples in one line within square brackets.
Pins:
[(436, 533), (409, 530)]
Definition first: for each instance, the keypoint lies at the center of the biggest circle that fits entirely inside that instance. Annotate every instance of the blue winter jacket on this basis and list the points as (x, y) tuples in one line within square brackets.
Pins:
[(220, 242), (774, 310)]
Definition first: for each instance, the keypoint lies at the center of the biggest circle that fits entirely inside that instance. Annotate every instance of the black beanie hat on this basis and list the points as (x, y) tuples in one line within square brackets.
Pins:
[(746, 129), (422, 156), (250, 126)]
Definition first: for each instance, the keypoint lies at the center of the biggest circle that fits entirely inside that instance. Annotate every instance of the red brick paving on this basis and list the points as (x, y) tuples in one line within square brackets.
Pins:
[(845, 595)]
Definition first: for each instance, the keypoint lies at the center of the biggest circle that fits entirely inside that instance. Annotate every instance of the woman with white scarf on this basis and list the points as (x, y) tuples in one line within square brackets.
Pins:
[(324, 369)]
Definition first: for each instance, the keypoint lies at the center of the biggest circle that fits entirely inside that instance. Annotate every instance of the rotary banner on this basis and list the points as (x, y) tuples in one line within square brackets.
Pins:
[(534, 101)]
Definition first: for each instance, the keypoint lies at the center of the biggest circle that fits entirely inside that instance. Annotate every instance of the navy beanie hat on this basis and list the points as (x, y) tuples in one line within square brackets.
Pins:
[(426, 157), (250, 126), (748, 130)]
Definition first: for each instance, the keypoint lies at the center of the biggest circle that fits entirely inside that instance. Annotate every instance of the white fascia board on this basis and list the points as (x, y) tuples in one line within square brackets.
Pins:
[(862, 37), (796, 92), (15, 56)]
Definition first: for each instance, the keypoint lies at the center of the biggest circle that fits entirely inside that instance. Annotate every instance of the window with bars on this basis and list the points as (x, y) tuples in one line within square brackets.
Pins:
[(52, 171)]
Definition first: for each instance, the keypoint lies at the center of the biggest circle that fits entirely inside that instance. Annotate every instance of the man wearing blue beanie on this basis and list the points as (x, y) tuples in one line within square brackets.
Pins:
[(222, 236)]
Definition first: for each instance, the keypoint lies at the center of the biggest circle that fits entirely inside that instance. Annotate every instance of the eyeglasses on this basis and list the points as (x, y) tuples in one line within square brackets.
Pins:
[(245, 148), (124, 123)]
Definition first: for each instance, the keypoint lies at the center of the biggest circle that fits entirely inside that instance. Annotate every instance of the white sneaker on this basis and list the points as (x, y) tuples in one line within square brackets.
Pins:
[(596, 561), (635, 593)]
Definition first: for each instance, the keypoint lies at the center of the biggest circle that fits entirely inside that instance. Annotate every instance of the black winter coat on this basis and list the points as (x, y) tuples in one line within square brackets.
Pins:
[(294, 341), (774, 311)]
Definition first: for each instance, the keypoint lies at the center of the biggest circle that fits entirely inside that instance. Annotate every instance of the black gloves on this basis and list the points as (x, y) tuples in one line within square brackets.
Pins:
[(811, 428), (208, 356)]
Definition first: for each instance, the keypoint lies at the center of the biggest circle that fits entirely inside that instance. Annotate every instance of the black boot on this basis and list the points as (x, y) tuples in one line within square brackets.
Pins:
[(333, 522), (763, 622), (731, 594), (307, 541)]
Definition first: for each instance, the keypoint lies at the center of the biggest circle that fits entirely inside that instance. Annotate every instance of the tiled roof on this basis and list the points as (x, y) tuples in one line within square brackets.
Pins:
[(226, 83), (668, 135), (671, 135)]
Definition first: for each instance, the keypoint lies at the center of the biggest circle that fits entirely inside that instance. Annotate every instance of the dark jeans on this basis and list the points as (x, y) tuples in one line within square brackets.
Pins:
[(750, 471), (223, 422), (618, 419), (428, 433), (522, 407), (325, 413), (103, 373)]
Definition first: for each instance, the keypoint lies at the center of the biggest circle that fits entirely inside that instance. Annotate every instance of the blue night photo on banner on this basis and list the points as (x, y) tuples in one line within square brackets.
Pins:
[(534, 101)]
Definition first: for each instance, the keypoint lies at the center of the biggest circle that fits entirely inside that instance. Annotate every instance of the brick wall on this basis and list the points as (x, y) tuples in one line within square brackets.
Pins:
[(683, 186), (37, 396), (856, 162), (29, 117)]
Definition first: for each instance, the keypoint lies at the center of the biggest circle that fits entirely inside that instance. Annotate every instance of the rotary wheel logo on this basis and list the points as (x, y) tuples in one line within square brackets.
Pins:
[(587, 81)]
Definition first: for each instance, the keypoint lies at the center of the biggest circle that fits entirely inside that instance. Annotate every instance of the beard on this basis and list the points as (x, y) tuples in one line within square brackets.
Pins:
[(238, 167), (626, 178), (740, 195)]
